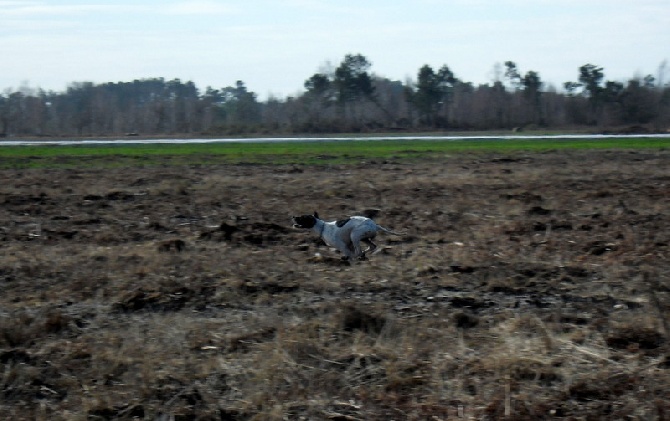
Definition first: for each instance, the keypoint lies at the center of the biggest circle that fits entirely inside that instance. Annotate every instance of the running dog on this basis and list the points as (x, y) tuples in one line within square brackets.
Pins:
[(345, 235)]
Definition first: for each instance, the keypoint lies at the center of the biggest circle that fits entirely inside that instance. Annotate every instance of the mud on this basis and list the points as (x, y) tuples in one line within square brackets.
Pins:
[(530, 285)]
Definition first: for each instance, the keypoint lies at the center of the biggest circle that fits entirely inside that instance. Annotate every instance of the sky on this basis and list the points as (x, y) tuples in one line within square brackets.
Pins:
[(274, 46)]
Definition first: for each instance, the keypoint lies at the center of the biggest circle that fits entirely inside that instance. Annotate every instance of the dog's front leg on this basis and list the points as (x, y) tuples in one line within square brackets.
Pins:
[(342, 246), (356, 248), (348, 251)]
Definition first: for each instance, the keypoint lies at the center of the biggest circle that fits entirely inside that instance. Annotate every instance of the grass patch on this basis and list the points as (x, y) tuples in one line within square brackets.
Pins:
[(309, 152)]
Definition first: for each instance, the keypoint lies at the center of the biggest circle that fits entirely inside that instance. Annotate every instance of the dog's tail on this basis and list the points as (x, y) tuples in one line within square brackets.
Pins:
[(390, 231)]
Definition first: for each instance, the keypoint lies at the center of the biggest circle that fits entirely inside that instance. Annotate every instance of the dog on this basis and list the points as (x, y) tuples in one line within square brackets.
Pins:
[(346, 234)]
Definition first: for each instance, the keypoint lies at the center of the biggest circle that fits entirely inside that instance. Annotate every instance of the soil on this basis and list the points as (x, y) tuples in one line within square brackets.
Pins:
[(525, 286)]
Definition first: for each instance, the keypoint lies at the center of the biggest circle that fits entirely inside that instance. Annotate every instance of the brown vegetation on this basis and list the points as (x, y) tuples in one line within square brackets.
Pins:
[(532, 286)]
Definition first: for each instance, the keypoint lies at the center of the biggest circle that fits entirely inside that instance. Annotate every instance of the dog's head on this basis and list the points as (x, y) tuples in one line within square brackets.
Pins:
[(305, 221)]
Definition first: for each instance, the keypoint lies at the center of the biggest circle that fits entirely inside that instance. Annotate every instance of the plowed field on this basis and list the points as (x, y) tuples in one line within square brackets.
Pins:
[(527, 285)]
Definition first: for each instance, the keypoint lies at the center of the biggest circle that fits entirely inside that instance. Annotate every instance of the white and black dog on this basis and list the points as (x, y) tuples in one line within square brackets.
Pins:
[(345, 235)]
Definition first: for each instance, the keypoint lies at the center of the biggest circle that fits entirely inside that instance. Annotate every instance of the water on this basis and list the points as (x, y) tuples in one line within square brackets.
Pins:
[(127, 141)]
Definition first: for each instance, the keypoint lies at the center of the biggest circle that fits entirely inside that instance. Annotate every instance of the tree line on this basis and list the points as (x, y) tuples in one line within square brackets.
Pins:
[(347, 98)]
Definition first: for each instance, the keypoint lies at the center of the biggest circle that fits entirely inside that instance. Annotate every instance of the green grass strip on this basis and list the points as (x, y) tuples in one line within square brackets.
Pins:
[(303, 152)]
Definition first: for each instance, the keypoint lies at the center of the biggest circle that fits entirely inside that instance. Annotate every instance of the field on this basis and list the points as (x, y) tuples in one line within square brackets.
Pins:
[(531, 283), (129, 154)]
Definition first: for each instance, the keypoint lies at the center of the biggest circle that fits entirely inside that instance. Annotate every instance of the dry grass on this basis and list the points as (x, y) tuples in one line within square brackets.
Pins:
[(528, 287)]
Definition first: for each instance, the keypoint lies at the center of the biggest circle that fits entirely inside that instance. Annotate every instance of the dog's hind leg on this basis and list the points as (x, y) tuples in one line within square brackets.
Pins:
[(362, 234), (372, 246)]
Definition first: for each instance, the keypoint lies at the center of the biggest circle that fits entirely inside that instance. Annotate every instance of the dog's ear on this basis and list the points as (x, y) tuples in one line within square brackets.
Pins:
[(316, 215)]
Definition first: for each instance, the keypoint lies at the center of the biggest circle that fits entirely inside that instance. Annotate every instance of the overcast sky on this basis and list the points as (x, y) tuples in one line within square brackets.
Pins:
[(274, 45)]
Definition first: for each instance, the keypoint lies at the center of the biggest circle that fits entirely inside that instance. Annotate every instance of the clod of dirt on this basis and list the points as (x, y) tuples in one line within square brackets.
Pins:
[(224, 229), (635, 337), (55, 322), (553, 225), (16, 356), (271, 287), (602, 389), (462, 268), (470, 302), (356, 319), (172, 245), (117, 412), (539, 210), (153, 300), (525, 197), (598, 248), (465, 320)]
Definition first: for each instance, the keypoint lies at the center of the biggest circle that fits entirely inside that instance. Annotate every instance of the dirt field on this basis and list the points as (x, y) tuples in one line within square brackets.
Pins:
[(527, 286)]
